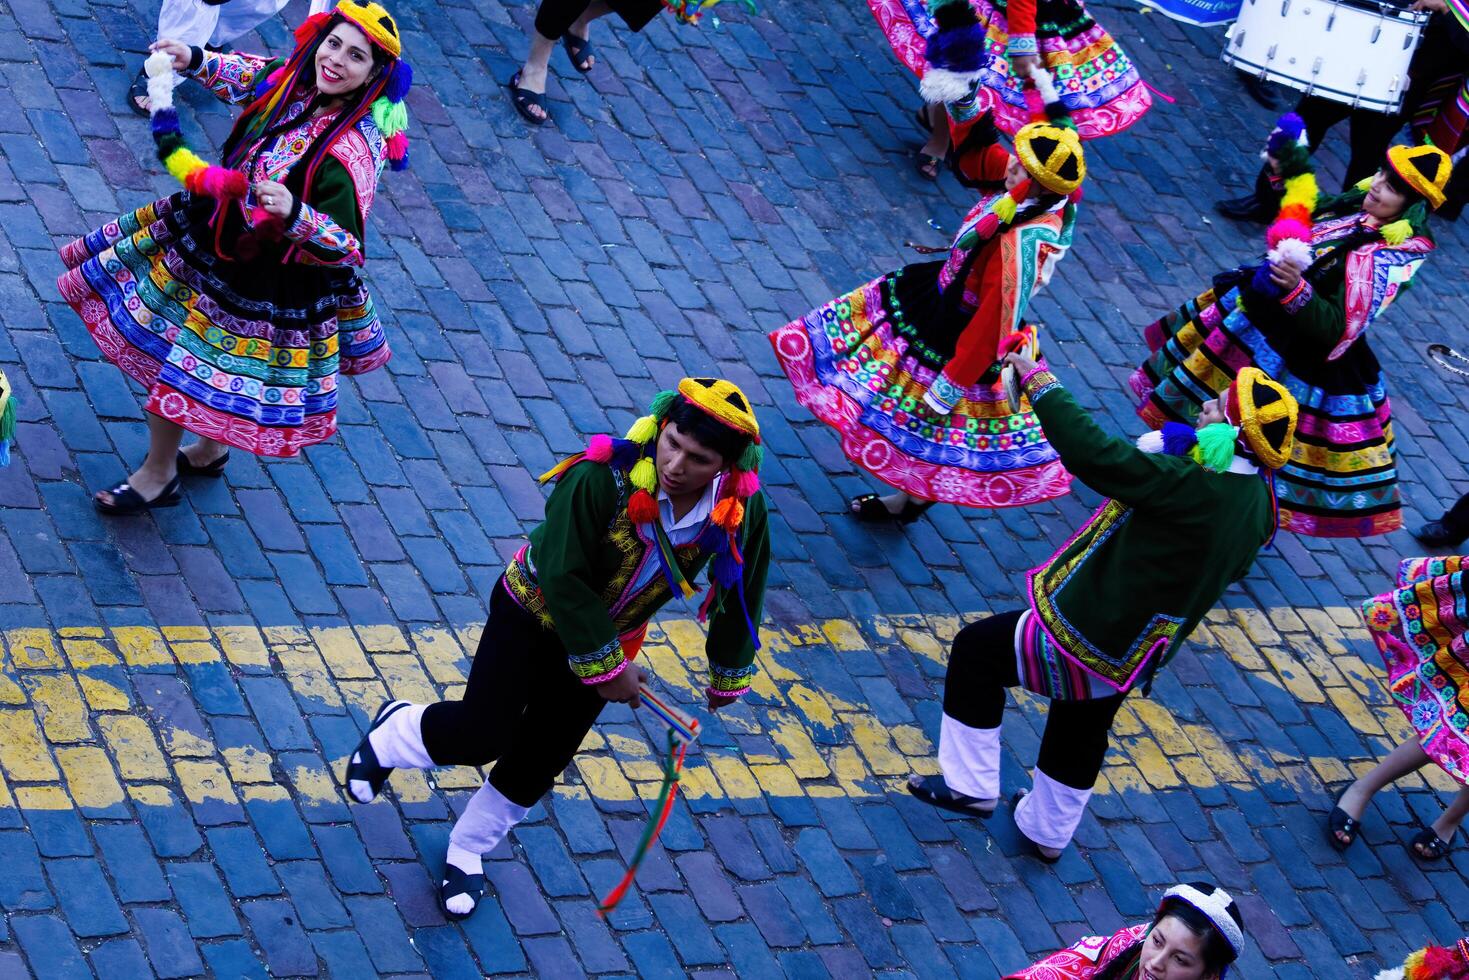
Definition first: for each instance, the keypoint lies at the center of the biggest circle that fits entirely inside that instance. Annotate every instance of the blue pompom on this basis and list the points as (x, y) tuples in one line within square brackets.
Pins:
[(1178, 438), (713, 538), (165, 121), (1262, 284), (624, 454), (958, 49), (400, 79), (399, 164), (726, 570)]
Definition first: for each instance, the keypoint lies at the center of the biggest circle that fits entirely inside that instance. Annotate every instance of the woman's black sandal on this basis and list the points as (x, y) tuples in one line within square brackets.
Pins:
[(1035, 849), (212, 470), (928, 167), (126, 500), (579, 50), (364, 766), (870, 509), (1338, 821), (457, 883), (524, 98), (934, 791), (1428, 846), (138, 94)]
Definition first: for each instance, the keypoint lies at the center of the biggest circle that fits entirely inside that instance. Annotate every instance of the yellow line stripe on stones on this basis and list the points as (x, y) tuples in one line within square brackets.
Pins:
[(70, 736)]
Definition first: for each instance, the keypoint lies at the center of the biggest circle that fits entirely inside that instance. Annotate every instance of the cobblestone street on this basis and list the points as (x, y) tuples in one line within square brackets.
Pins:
[(179, 691)]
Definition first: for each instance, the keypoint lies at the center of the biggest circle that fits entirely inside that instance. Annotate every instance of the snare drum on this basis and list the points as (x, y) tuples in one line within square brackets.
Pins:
[(1352, 51)]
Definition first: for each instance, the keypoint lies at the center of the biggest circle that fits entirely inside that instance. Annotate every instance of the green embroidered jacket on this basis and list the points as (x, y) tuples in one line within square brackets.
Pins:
[(583, 562), (1124, 592)]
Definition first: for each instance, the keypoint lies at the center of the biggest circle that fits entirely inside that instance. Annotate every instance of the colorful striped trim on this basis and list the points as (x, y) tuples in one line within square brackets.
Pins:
[(1022, 45), (601, 664), (730, 682), (1037, 383)]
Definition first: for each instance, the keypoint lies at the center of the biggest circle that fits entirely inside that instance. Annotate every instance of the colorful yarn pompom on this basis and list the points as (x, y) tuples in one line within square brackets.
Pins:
[(642, 508), (1178, 438), (7, 419), (1150, 442), (643, 430), (661, 403), (182, 163), (644, 475), (1215, 448), (1286, 228), (1005, 209), (751, 458), (1289, 235), (746, 483), (1397, 232), (399, 81), (728, 513), (599, 450)]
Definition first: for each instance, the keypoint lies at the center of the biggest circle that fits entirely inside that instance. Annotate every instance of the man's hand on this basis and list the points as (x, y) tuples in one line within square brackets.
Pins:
[(1022, 364), (274, 198), (1433, 6), (177, 50), (623, 688), (1285, 275)]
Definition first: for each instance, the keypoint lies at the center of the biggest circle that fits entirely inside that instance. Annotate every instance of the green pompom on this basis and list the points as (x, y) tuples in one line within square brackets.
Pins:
[(662, 402), (1215, 448), (751, 458), (390, 117)]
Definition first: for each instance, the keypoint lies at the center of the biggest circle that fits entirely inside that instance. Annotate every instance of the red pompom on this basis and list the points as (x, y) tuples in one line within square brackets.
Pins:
[(642, 508), (310, 26), (599, 450), (987, 226), (397, 146), (1438, 963), (1295, 212)]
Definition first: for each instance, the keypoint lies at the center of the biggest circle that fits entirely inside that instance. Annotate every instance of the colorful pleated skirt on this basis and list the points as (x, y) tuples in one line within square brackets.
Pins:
[(1419, 630), (1341, 480), (1097, 81), (862, 364), (244, 352)]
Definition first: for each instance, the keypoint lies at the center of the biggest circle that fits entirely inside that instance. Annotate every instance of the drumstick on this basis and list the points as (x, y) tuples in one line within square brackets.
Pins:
[(685, 728)]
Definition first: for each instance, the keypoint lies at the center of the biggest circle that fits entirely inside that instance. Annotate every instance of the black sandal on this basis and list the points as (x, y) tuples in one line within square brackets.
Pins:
[(870, 509), (934, 791), (928, 166), (138, 94), (457, 883), (363, 765), (1035, 849), (524, 98), (579, 49), (1338, 821), (126, 500), (1428, 846), (212, 471)]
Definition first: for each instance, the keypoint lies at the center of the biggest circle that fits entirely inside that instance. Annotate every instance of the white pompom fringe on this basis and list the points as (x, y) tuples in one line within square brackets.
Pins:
[(941, 86), (1045, 85), (1151, 441), (159, 68), (1294, 250), (1391, 974)]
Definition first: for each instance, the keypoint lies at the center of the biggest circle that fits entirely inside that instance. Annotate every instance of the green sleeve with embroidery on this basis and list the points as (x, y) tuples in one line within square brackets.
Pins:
[(731, 649), (563, 550), (329, 226), (1322, 319), (1110, 465)]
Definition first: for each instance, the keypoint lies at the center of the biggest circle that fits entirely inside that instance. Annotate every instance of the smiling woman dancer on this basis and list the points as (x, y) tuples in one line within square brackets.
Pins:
[(630, 524), (235, 303)]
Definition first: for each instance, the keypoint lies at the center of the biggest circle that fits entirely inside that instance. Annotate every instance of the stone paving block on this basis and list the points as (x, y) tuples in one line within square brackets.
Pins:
[(85, 898), (165, 937), (206, 907), (48, 945), (380, 928)]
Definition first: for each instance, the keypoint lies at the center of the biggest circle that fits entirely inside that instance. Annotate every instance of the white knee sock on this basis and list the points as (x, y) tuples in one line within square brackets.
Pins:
[(970, 759), (1051, 811), (398, 741), (486, 820)]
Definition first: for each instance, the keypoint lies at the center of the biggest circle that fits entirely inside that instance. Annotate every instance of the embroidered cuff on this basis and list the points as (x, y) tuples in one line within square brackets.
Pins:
[(730, 682), (196, 60), (600, 665), (1022, 45), (1296, 300), (1037, 383), (942, 395)]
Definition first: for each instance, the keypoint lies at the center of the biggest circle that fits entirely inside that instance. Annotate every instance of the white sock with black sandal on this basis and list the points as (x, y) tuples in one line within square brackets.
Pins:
[(396, 739), (489, 816)]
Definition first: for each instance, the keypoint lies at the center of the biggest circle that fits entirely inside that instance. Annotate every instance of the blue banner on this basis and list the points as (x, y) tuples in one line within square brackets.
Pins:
[(1204, 13)]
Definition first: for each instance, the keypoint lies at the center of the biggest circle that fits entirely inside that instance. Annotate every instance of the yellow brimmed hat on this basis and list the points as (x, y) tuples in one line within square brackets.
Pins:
[(1424, 168), (1051, 153), (1266, 414), (375, 22), (724, 401)]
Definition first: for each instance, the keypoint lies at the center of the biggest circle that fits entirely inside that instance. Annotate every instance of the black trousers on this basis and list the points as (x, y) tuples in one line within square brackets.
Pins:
[(555, 17), (1457, 517), (1368, 136), (981, 667), (522, 709)]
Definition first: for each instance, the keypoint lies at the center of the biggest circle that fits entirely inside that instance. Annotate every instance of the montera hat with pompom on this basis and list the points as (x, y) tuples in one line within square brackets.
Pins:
[(635, 455), (1424, 168), (1216, 905), (1266, 414), (955, 53)]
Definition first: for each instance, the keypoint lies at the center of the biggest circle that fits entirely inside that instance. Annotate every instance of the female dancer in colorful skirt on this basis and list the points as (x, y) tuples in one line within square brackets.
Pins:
[(1303, 316), (1196, 934), (1419, 628), (236, 303), (956, 46), (630, 524), (906, 367)]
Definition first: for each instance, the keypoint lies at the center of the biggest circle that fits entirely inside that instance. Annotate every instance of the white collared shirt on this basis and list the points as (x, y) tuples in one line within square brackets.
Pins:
[(684, 530)]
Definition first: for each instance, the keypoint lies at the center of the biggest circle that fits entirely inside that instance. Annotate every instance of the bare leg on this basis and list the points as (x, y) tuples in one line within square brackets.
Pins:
[(1407, 757), (583, 26), (205, 451), (1448, 824), (938, 137), (533, 72), (161, 464)]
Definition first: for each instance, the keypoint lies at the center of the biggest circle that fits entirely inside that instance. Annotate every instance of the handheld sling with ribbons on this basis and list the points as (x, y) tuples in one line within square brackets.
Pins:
[(682, 731)]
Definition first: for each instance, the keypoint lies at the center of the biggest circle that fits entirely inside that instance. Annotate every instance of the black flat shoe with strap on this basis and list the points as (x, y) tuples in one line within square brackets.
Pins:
[(364, 766), (870, 509), (212, 470), (1035, 849), (1428, 846), (126, 500), (934, 791), (1338, 821), (523, 99), (580, 51), (457, 883)]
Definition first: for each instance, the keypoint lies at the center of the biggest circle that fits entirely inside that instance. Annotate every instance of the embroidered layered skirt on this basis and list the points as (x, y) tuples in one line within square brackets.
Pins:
[(1341, 481), (1096, 80), (1419, 629), (244, 352), (862, 364)]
